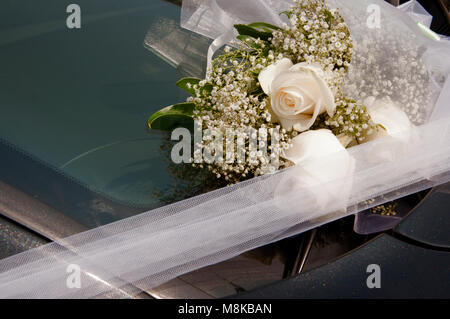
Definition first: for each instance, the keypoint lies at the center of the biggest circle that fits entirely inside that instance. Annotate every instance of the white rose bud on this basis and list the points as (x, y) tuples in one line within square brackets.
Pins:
[(298, 93), (394, 121), (395, 125), (310, 146)]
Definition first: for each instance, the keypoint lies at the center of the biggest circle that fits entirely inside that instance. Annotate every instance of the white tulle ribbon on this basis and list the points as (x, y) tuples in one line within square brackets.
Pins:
[(141, 252), (217, 44), (215, 18), (154, 247)]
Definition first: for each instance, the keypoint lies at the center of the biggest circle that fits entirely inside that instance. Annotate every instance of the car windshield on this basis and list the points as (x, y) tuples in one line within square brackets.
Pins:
[(74, 105)]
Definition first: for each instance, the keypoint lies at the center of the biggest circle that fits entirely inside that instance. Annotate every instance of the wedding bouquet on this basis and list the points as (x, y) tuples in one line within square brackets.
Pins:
[(298, 90), (323, 108), (286, 81)]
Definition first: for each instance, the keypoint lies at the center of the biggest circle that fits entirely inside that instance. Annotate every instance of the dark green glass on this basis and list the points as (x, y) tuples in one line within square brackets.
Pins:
[(77, 101)]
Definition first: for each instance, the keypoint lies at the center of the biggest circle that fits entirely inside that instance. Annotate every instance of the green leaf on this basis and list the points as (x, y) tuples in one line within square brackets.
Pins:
[(264, 27), (287, 13), (184, 84), (328, 16), (206, 89), (250, 41), (244, 29), (265, 51), (171, 117)]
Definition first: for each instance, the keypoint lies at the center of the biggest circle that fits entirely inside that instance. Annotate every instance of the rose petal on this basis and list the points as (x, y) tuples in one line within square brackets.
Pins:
[(307, 122), (287, 123), (267, 75), (303, 66), (312, 144), (326, 94)]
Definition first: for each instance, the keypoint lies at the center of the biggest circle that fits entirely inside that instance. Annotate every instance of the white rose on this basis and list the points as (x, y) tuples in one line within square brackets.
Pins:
[(393, 119), (309, 146), (323, 172), (298, 93), (396, 127)]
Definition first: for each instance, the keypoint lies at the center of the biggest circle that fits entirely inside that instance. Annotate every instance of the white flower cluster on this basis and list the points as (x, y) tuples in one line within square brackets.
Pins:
[(399, 75), (351, 119), (234, 101), (316, 34)]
